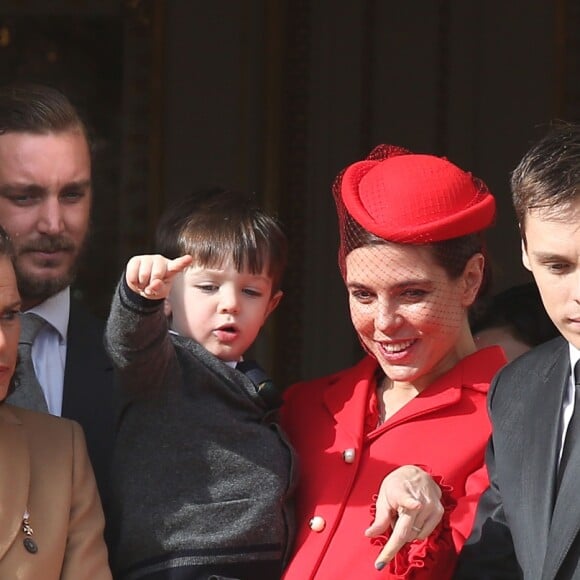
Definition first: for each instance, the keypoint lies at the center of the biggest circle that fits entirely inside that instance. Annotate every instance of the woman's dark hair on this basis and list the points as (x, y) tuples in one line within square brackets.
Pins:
[(521, 310), (451, 255)]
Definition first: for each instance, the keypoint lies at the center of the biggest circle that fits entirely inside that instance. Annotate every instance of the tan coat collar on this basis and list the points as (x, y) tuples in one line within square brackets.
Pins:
[(14, 476)]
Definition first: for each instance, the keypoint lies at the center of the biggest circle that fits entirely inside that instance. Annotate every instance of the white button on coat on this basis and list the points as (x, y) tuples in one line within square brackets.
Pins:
[(348, 455), (317, 524)]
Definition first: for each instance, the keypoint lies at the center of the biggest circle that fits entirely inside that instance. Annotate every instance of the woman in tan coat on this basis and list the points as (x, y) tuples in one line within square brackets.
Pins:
[(51, 520)]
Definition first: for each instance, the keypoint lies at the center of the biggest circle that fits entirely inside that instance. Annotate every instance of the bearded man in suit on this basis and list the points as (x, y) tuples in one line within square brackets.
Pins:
[(528, 521), (45, 205)]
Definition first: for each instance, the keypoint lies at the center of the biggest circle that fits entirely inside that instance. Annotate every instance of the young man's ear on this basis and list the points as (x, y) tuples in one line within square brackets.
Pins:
[(525, 257), (273, 304)]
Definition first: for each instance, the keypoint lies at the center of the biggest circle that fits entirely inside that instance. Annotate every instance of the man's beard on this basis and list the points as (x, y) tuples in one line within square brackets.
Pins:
[(42, 287)]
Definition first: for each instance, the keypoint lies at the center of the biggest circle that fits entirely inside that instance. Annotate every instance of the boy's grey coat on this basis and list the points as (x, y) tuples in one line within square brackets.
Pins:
[(201, 471)]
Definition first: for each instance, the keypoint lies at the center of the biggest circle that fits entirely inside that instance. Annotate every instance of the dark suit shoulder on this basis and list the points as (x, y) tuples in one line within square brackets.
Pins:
[(537, 360), (543, 367), (82, 320)]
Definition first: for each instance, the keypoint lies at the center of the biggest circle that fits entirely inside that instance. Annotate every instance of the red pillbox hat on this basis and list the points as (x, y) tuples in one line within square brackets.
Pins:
[(414, 198)]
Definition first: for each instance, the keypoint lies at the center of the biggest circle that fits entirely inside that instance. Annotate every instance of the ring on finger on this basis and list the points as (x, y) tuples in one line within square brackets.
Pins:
[(416, 529)]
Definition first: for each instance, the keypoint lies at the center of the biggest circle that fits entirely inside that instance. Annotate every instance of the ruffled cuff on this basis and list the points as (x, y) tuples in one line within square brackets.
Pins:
[(426, 553)]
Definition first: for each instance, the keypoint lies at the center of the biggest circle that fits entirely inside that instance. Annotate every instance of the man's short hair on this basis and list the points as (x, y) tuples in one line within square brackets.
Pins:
[(548, 176), (33, 108)]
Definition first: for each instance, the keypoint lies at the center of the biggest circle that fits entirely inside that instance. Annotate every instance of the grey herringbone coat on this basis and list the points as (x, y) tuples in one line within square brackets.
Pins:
[(202, 475)]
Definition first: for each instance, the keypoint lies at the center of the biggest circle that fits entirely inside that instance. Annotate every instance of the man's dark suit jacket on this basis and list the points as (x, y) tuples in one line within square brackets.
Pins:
[(88, 390), (523, 527)]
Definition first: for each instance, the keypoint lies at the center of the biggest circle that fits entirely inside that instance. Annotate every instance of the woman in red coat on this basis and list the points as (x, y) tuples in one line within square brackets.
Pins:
[(412, 257)]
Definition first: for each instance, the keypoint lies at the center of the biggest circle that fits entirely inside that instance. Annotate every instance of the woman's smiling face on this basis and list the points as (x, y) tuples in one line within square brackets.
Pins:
[(408, 313)]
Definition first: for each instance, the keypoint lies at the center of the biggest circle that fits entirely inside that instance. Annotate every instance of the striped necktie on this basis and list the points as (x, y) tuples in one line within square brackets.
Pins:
[(28, 393)]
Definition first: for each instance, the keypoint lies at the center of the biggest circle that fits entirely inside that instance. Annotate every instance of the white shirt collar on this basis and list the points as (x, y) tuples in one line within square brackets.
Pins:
[(56, 310), (574, 356)]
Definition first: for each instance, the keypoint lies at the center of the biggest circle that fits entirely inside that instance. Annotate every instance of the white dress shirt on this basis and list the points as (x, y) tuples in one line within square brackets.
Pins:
[(49, 348), (568, 406)]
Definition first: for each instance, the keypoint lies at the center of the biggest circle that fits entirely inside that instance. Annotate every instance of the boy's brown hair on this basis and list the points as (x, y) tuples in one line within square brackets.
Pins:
[(216, 225)]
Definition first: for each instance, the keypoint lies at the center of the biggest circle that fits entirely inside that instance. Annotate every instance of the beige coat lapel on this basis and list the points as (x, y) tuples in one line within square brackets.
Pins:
[(14, 477)]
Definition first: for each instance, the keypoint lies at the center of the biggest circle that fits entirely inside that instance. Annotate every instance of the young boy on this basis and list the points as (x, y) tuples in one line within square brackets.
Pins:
[(201, 472)]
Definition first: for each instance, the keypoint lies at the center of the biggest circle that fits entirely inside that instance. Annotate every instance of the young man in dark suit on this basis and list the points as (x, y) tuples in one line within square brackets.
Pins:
[(45, 204), (528, 521)]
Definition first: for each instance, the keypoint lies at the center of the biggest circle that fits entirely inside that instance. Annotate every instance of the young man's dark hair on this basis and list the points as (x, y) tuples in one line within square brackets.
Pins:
[(548, 176)]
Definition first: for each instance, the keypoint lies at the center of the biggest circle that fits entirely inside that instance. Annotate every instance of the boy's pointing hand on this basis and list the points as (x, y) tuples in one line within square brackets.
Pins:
[(151, 275)]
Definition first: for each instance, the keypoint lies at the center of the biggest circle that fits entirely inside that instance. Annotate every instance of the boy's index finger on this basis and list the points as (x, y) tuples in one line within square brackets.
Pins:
[(179, 264)]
